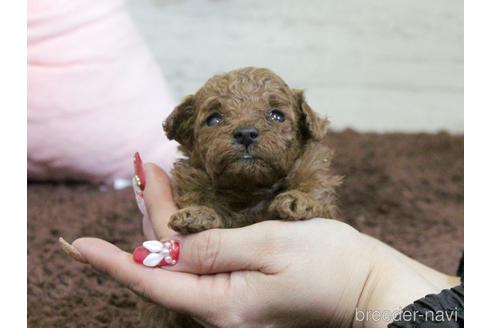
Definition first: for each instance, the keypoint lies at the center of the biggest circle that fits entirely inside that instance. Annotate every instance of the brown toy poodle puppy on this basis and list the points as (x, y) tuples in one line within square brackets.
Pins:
[(252, 153)]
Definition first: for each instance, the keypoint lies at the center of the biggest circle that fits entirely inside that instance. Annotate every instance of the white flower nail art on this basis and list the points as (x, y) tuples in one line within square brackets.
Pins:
[(167, 251)]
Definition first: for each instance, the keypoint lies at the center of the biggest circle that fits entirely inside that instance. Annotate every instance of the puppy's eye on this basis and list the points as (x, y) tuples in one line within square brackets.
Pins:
[(276, 115), (214, 119)]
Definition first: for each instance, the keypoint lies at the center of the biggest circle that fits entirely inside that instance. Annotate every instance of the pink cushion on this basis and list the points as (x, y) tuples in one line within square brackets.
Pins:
[(95, 95)]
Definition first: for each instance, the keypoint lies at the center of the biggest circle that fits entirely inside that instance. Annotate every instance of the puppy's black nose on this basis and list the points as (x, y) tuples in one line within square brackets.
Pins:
[(245, 135)]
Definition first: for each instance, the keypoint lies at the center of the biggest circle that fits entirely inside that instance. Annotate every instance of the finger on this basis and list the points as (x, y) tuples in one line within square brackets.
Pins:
[(227, 250), (148, 229), (174, 290), (158, 200)]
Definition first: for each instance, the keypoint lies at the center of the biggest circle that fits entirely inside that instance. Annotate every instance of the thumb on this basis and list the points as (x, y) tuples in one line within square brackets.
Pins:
[(159, 201)]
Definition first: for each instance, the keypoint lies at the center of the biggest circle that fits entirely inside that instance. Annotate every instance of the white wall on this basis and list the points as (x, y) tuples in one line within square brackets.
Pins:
[(373, 65)]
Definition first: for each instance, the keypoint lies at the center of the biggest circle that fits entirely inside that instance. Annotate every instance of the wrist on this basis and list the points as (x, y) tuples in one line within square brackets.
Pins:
[(394, 282)]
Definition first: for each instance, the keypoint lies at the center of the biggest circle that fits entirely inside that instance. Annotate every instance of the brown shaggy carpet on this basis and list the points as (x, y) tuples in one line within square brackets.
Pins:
[(405, 189)]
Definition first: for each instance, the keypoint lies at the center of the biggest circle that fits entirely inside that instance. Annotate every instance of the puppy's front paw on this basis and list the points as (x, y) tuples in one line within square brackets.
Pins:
[(195, 219), (294, 205)]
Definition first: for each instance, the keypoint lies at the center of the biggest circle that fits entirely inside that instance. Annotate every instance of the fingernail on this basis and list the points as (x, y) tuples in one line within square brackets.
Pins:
[(71, 251), (139, 170), (154, 253), (138, 183)]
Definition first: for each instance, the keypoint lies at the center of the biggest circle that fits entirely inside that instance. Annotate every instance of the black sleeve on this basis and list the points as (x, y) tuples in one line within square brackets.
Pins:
[(445, 309)]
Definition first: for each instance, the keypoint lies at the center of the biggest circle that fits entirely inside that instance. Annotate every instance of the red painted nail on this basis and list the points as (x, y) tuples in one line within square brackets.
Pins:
[(154, 253), (139, 170)]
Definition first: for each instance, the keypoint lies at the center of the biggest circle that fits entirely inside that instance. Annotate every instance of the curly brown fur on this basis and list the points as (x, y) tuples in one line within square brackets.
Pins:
[(281, 172)]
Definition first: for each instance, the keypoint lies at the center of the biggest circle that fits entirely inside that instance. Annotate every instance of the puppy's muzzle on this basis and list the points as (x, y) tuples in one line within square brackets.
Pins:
[(246, 135)]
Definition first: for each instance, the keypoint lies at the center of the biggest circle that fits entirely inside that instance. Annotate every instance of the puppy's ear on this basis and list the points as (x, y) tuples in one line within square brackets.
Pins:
[(311, 124), (179, 124)]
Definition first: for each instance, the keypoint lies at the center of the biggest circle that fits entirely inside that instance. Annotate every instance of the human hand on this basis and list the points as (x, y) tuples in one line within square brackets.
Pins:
[(278, 274)]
